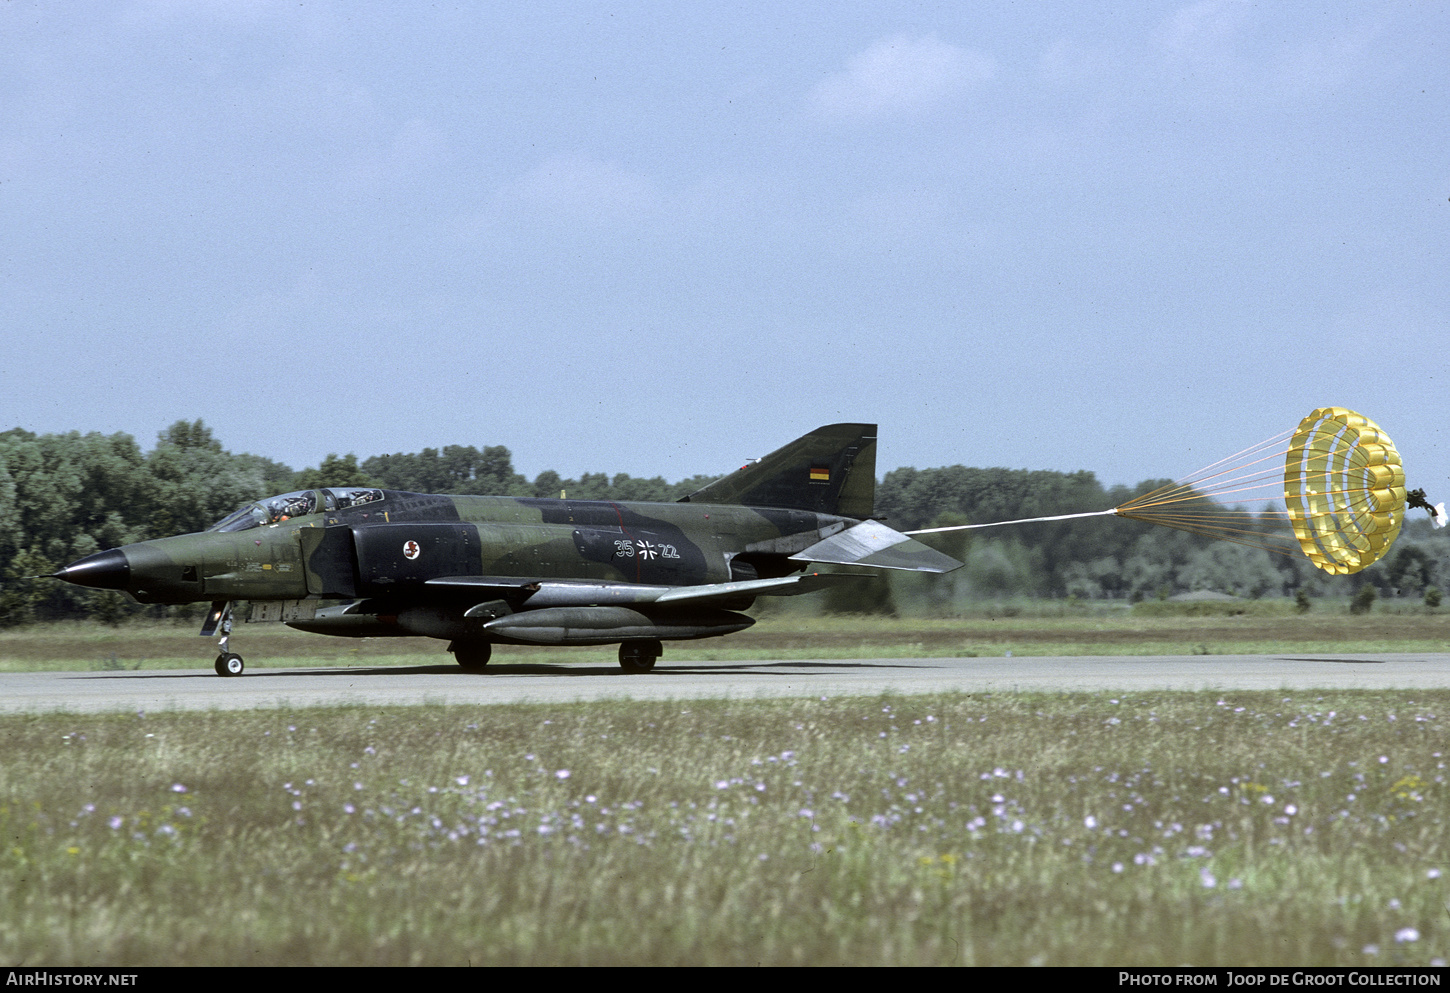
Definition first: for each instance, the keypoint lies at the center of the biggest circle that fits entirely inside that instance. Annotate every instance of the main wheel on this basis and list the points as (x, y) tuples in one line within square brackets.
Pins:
[(228, 664), (639, 656), (471, 654)]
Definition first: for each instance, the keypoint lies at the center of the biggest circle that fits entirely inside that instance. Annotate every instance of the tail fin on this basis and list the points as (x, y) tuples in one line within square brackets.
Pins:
[(832, 470)]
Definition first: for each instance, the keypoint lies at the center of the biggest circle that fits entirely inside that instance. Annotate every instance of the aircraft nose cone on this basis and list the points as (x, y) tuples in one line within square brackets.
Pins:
[(106, 570)]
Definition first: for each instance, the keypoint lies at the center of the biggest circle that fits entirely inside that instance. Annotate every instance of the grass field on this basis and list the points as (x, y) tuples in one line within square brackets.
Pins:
[(1059, 829), (993, 630), (1062, 829)]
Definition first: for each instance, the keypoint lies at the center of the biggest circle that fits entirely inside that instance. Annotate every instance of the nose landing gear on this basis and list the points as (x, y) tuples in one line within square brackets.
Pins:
[(228, 663)]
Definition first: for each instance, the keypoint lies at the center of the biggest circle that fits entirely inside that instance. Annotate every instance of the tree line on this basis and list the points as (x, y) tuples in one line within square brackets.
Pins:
[(63, 496)]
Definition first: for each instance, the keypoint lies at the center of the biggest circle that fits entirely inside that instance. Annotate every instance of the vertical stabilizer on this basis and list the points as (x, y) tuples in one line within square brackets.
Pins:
[(832, 470)]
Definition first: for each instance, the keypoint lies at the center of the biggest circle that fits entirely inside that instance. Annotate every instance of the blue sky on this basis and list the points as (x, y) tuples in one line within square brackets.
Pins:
[(660, 238)]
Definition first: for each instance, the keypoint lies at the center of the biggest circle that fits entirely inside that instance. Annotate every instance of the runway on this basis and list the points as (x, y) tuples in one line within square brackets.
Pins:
[(373, 686)]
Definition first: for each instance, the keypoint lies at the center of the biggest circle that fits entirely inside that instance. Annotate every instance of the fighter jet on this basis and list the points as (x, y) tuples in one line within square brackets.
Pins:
[(478, 571)]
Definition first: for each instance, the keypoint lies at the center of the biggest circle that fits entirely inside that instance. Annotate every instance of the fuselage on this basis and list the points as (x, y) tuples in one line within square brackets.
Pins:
[(390, 545)]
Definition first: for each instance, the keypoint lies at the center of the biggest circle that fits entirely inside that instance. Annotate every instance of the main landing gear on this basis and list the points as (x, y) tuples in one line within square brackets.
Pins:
[(228, 663), (639, 656), (471, 655)]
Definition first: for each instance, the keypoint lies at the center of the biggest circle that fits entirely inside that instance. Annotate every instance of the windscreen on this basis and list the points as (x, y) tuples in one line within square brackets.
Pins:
[(272, 510), (275, 510)]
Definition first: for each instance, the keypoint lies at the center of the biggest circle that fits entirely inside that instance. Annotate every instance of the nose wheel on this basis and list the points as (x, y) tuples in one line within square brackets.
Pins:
[(229, 664)]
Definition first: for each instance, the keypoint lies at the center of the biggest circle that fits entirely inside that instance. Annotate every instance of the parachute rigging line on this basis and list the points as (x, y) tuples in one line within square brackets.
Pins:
[(1333, 488)]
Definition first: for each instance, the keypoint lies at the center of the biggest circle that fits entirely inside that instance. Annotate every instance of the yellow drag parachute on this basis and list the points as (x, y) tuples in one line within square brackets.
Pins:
[(1342, 485), (1344, 488)]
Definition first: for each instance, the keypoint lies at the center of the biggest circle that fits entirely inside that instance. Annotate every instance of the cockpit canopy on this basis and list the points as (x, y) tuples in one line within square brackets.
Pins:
[(274, 510)]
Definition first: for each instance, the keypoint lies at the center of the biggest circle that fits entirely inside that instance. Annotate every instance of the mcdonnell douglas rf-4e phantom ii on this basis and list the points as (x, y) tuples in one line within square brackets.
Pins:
[(478, 570)]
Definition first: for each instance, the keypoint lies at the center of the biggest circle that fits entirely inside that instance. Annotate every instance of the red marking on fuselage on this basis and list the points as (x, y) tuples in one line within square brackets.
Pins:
[(620, 514)]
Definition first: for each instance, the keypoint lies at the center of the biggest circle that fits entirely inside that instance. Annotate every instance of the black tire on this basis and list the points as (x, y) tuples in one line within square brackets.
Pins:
[(638, 656), (472, 655), (229, 664)]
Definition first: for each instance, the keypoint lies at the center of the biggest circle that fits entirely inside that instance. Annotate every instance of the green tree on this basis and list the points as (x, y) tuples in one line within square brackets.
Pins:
[(191, 435), (334, 471), (997, 568), (461, 469), (548, 485), (67, 495), (626, 487), (1060, 552), (1409, 568), (10, 534), (196, 482), (1363, 601), (1240, 570), (868, 595), (953, 543), (23, 599), (276, 477), (589, 486), (687, 486)]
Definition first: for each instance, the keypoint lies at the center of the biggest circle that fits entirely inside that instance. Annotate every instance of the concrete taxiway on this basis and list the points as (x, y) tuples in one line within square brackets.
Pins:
[(201, 689)]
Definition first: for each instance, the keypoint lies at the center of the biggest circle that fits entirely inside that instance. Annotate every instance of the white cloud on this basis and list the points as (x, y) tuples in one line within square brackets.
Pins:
[(1226, 49), (901, 74), (1204, 33)]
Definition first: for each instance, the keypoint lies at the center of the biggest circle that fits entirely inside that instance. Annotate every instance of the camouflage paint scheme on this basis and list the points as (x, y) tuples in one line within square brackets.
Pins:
[(480, 570)]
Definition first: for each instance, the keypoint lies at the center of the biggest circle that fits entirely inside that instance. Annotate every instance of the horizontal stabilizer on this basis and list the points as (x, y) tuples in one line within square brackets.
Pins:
[(873, 543)]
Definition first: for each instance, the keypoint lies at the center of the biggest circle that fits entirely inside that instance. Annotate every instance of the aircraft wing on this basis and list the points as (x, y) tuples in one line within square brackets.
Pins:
[(783, 586), (539, 593), (873, 543)]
